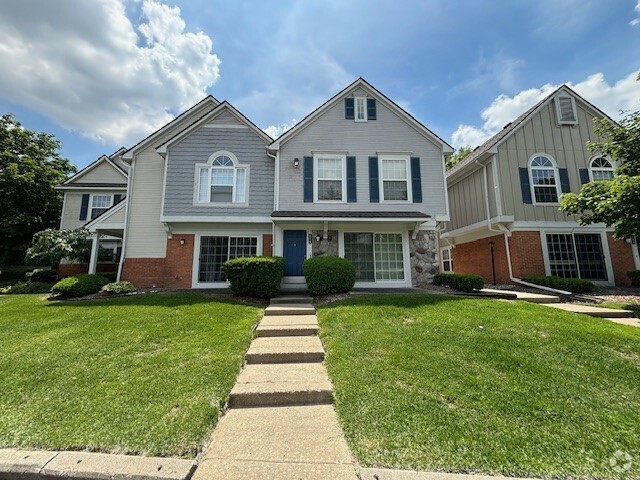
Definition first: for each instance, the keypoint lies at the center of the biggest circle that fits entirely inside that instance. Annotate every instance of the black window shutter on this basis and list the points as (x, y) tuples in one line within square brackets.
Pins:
[(371, 108), (564, 180), (351, 179), (416, 180), (525, 185), (116, 198), (308, 179), (349, 110), (374, 186), (84, 208), (584, 176)]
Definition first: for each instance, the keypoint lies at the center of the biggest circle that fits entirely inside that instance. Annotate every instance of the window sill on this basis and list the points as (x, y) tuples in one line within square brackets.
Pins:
[(221, 204), (544, 204)]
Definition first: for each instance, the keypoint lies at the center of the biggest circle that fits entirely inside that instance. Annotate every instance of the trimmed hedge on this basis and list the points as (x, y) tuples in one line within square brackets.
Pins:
[(43, 275), (26, 287), (327, 275), (255, 276), (117, 288), (573, 285), (459, 281), (634, 275), (79, 285)]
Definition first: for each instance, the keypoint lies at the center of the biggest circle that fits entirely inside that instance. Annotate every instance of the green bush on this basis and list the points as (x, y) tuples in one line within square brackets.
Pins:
[(634, 275), (255, 276), (573, 285), (327, 275), (459, 281), (79, 285), (43, 275), (26, 287), (110, 276), (117, 288)]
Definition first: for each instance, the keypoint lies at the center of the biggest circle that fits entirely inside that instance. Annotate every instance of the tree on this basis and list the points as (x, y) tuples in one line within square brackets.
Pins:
[(458, 156), (616, 202), (30, 167), (50, 246)]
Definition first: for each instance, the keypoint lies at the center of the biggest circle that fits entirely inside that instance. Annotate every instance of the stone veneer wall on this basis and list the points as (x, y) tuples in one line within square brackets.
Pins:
[(325, 248), (423, 253)]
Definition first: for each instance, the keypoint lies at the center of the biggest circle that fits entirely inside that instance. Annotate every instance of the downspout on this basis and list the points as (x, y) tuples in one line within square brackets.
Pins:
[(126, 219), (276, 188)]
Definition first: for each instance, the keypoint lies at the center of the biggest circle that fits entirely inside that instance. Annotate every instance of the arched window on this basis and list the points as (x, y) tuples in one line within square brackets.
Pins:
[(544, 179), (601, 168), (222, 180)]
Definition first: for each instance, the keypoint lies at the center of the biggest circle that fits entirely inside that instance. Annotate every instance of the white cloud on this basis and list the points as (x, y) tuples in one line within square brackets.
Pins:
[(636, 21), (88, 68), (274, 131), (623, 95)]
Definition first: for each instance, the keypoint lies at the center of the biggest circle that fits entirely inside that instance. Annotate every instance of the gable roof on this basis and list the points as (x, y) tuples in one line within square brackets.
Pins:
[(109, 212), (360, 82), (91, 166), (225, 105), (511, 127), (128, 155)]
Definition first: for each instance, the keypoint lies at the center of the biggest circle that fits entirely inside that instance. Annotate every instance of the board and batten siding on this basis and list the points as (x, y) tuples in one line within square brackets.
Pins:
[(541, 134), (389, 133), (196, 148), (467, 201), (73, 204), (146, 236)]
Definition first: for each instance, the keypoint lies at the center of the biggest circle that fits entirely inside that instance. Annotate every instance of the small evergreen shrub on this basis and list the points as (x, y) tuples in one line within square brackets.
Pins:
[(459, 281), (26, 287), (634, 275), (327, 275), (573, 285), (79, 285), (117, 288), (255, 276), (43, 275)]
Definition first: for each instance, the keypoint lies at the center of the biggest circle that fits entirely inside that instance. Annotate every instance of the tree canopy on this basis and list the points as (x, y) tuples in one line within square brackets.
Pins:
[(30, 166), (616, 202), (50, 246), (458, 156)]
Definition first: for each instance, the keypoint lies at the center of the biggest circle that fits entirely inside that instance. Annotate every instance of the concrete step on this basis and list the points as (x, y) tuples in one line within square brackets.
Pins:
[(290, 309), (287, 320), (594, 311), (282, 384), (632, 322), (303, 442), (285, 350), (292, 299), (525, 296), (286, 330)]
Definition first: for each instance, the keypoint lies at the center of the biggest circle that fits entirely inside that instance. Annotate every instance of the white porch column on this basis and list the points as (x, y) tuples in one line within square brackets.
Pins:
[(93, 261)]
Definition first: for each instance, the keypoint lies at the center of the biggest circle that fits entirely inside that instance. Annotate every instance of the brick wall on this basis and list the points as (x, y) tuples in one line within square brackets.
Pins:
[(69, 269), (526, 254), (621, 260), (173, 271)]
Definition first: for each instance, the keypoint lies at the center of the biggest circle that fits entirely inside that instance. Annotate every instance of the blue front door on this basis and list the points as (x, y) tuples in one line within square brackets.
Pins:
[(294, 252)]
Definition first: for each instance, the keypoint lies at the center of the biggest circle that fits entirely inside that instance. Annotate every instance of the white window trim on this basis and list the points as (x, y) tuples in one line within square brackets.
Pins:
[(599, 169), (573, 106), (343, 160), (355, 109), (450, 260), (90, 212), (381, 179), (605, 252), (236, 166), (556, 173)]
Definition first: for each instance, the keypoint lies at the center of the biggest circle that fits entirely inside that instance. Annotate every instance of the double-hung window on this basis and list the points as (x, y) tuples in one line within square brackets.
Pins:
[(544, 179), (600, 169), (447, 260), (330, 184), (222, 180), (394, 179), (100, 204)]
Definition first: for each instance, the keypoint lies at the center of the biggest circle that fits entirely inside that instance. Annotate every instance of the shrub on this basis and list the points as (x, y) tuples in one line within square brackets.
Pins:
[(27, 287), (574, 285), (459, 281), (79, 285), (43, 275), (255, 276), (327, 275), (634, 275), (110, 276), (117, 288)]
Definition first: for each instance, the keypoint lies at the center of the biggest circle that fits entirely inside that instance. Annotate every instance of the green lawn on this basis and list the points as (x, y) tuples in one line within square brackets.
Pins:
[(456, 384), (145, 374)]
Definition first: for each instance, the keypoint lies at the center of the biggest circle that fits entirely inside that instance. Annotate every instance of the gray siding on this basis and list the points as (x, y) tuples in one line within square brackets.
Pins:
[(541, 134), (467, 201), (389, 133), (196, 148)]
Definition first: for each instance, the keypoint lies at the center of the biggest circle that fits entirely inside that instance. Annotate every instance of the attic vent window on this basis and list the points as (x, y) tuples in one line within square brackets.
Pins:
[(566, 110), (361, 109)]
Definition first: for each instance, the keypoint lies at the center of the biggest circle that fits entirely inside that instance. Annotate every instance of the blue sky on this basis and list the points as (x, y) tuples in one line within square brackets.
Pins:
[(104, 74)]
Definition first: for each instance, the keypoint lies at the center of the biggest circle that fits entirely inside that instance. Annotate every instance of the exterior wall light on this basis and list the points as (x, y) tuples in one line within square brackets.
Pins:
[(296, 162), (183, 241)]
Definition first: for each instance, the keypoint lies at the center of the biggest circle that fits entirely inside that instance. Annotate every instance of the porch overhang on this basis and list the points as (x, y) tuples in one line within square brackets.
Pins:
[(349, 216)]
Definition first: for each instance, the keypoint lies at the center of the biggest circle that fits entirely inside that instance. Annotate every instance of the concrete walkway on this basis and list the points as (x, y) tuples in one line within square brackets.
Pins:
[(524, 296), (281, 423), (624, 317)]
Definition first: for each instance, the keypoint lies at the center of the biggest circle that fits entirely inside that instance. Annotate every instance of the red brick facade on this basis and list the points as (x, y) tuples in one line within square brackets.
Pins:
[(475, 257), (621, 259), (68, 269), (173, 271), (527, 258)]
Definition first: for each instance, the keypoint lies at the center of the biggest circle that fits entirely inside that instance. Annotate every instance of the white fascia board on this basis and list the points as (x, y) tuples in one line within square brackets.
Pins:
[(213, 219), (79, 186)]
